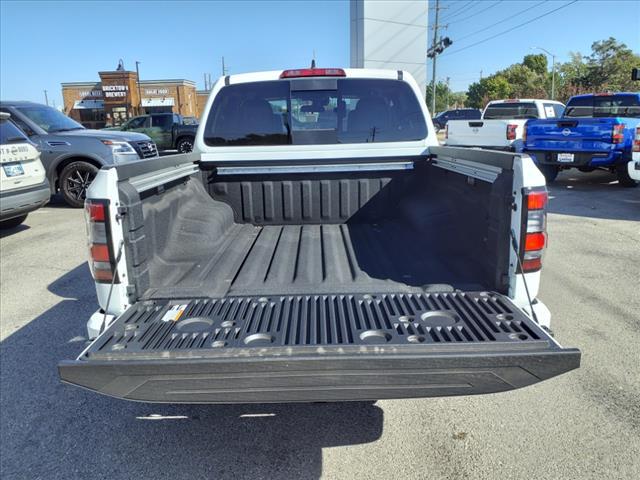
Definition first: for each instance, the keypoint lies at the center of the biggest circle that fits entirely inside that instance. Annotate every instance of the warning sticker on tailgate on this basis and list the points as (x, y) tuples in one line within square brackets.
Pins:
[(174, 313)]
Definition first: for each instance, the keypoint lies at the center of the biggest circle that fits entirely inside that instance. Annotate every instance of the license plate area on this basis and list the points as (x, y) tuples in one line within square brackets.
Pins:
[(566, 158), (13, 169)]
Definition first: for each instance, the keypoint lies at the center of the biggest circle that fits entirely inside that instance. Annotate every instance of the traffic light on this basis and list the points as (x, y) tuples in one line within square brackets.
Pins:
[(439, 47)]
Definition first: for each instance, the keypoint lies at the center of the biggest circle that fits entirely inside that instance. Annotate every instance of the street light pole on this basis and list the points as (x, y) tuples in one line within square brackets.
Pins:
[(139, 93), (553, 71)]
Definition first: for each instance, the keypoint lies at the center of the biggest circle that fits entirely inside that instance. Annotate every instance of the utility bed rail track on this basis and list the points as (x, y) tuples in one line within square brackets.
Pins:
[(317, 320)]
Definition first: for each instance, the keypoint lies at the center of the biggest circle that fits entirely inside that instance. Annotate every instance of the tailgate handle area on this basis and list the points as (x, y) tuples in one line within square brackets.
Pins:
[(567, 123), (476, 124)]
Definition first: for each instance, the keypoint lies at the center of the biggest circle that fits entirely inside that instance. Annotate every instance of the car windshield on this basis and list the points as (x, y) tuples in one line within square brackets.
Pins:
[(515, 110), (318, 111), (49, 119), (603, 106), (9, 133)]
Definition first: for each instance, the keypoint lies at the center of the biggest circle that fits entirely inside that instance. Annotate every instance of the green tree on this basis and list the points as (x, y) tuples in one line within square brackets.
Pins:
[(490, 88), (536, 63), (443, 94), (457, 99), (607, 68), (609, 65), (525, 82)]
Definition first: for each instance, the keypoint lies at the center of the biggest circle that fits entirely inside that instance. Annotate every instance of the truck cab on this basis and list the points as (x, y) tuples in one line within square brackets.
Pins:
[(317, 245)]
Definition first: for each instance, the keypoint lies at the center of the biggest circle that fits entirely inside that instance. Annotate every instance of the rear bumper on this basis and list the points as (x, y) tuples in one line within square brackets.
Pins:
[(294, 376), (582, 159), (318, 348), (14, 203)]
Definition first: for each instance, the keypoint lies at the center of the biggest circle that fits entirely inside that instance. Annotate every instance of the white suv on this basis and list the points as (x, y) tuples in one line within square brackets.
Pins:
[(23, 184)]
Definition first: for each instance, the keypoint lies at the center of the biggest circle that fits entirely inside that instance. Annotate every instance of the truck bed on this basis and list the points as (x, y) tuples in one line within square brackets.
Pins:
[(304, 259), (396, 232)]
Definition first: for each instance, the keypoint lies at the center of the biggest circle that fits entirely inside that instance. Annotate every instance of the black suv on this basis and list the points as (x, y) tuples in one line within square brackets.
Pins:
[(440, 120)]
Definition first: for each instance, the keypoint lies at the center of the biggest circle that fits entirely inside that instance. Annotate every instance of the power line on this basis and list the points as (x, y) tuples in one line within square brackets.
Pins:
[(477, 13), (501, 21), (512, 28), (457, 12)]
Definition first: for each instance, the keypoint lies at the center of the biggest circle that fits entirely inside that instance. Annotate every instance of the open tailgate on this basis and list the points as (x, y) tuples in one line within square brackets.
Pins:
[(318, 348)]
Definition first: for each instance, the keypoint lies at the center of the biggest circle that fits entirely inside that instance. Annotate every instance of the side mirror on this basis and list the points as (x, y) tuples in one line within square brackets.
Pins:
[(635, 74)]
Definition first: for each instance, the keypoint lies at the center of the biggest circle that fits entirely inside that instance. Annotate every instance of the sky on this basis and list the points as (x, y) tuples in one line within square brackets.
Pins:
[(43, 44)]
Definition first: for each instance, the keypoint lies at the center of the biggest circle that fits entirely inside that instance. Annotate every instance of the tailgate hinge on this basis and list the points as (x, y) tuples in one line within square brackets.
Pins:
[(120, 213)]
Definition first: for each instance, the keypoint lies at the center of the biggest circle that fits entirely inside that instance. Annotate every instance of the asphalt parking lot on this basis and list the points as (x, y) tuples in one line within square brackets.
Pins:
[(583, 425)]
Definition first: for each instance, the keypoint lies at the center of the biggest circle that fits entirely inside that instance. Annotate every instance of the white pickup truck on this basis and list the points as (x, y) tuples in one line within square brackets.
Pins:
[(502, 124), (317, 245)]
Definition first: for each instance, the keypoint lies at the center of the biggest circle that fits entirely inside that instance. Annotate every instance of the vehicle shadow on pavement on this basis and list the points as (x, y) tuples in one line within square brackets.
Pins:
[(51, 430), (595, 194), (5, 232)]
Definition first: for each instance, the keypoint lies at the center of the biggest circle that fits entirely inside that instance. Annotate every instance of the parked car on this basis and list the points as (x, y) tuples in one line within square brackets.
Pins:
[(70, 153), (502, 124), (440, 120), (595, 131), (346, 257), (23, 183), (167, 130)]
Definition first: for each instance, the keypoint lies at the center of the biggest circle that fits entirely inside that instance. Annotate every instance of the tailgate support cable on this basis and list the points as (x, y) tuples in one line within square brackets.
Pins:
[(113, 281), (514, 244)]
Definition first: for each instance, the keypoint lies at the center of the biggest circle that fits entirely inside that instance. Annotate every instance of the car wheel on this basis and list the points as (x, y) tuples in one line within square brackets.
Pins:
[(13, 222), (74, 181), (550, 172), (185, 145), (623, 176)]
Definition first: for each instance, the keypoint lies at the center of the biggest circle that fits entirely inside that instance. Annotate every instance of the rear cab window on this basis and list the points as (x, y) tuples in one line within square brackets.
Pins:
[(597, 106), (315, 111), (553, 110), (511, 110)]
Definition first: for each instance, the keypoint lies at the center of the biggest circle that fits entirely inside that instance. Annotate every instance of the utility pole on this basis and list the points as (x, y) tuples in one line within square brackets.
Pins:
[(224, 69), (448, 91), (433, 71), (46, 99), (480, 74), (139, 92)]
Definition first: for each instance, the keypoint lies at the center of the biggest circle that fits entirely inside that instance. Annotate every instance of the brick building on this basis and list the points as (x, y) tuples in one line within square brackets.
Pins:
[(119, 96)]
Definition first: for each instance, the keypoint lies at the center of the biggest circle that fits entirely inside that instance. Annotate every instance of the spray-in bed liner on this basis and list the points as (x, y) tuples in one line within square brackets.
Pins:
[(332, 258)]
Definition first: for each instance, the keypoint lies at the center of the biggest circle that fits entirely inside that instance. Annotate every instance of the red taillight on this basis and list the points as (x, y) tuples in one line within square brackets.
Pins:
[(96, 212), (535, 241), (313, 72), (636, 140), (511, 131), (534, 237), (537, 199), (617, 136), (532, 264), (101, 259)]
